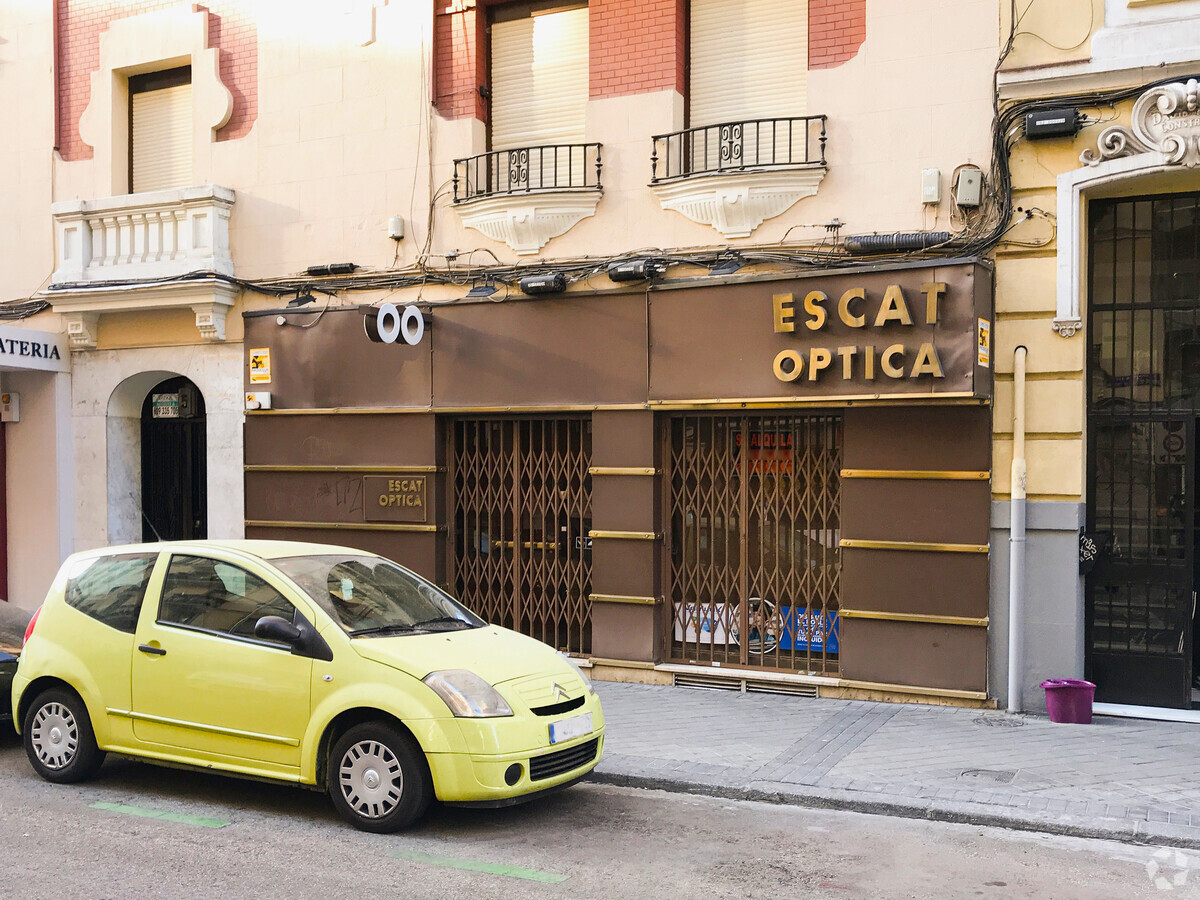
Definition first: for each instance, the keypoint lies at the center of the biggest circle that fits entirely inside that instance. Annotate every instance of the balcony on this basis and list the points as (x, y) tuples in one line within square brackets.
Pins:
[(735, 175), (525, 196), (132, 252)]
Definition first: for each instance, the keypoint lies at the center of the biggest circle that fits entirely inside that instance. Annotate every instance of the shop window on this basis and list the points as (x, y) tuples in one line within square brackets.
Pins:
[(160, 130), (539, 74)]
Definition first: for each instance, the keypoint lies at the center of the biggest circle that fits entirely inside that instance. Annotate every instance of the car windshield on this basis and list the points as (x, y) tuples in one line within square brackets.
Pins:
[(370, 595)]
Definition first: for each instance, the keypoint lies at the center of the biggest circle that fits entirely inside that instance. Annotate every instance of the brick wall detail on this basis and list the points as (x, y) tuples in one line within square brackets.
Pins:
[(637, 46), (231, 29), (459, 59), (836, 29)]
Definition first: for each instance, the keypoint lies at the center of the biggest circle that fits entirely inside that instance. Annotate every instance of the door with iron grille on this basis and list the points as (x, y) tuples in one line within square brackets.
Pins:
[(753, 540), (522, 512), (1143, 403)]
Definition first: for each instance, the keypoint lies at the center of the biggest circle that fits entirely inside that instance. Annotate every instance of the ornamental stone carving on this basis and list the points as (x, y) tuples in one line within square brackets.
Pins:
[(1166, 120)]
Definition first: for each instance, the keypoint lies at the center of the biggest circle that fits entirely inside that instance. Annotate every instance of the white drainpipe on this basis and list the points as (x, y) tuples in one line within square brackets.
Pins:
[(1016, 538)]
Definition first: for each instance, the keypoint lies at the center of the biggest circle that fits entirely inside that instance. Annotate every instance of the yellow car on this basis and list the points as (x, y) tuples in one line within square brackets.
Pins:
[(321, 665)]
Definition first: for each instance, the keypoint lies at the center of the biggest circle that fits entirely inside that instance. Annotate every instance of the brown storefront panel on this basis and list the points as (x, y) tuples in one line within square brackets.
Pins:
[(722, 342), (624, 502), (336, 497), (522, 513), (378, 439), (925, 510), (925, 438), (922, 583), (931, 495), (333, 363), (545, 353), (946, 657)]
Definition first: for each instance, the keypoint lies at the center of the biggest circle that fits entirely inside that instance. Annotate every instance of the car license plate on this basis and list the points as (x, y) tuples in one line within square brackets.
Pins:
[(576, 726)]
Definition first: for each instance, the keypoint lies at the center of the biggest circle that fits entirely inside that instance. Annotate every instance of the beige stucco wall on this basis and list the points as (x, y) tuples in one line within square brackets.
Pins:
[(345, 134)]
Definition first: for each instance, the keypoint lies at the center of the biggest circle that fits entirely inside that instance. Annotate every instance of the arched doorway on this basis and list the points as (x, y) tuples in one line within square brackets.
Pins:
[(174, 470)]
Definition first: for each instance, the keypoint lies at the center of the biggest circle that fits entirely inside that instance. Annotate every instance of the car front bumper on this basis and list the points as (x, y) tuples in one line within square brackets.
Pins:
[(479, 780)]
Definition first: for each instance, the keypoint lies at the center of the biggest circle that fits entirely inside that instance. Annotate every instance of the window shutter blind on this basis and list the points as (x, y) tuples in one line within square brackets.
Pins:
[(749, 60), (161, 138), (539, 79)]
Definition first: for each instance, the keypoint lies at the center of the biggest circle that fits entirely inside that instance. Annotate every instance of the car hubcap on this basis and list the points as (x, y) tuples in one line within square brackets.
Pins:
[(370, 779), (54, 735)]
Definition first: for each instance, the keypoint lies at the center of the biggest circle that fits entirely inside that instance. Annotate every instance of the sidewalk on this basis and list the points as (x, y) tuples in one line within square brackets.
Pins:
[(1121, 779)]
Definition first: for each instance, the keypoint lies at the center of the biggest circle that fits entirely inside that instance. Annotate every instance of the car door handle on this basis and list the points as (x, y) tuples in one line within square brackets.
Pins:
[(156, 651)]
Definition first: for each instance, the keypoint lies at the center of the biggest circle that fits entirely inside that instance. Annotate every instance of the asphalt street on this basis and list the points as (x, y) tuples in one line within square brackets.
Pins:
[(140, 830)]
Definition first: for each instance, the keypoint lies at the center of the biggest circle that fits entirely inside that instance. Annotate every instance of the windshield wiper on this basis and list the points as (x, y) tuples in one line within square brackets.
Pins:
[(394, 628), (445, 620)]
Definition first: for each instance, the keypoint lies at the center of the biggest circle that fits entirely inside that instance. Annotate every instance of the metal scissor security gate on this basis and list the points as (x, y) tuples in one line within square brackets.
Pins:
[(522, 512), (753, 540)]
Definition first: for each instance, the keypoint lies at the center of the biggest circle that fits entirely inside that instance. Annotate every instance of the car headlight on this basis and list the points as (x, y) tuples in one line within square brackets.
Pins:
[(467, 695)]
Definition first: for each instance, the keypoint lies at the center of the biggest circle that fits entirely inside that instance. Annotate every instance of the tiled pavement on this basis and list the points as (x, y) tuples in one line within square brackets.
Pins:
[(1126, 779)]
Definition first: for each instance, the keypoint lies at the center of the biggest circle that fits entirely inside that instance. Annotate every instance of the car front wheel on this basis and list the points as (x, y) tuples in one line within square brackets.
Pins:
[(378, 779), (59, 739)]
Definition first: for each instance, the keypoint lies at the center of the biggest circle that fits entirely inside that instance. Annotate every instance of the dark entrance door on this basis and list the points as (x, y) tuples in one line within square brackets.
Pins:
[(174, 471), (1143, 404)]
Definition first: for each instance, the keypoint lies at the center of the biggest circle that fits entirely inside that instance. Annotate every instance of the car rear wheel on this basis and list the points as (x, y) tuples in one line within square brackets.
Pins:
[(378, 779), (59, 739)]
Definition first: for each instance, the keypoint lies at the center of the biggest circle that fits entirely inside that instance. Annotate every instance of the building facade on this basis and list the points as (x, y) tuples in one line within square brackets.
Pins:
[(660, 331), (1098, 284)]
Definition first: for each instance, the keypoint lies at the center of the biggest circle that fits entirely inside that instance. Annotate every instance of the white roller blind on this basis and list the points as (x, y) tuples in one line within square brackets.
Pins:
[(162, 138), (539, 79), (749, 60)]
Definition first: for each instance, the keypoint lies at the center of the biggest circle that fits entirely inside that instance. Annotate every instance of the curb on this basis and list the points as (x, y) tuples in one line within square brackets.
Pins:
[(1126, 831)]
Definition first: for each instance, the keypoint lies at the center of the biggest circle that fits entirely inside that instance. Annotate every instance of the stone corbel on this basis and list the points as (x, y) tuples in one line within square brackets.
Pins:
[(210, 319), (82, 330), (735, 203), (527, 222)]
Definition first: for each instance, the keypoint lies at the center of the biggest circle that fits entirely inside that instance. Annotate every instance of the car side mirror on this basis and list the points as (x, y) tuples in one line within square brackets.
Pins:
[(276, 628)]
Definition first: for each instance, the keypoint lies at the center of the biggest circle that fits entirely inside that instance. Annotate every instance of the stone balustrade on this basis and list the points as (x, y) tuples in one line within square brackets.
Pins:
[(152, 235)]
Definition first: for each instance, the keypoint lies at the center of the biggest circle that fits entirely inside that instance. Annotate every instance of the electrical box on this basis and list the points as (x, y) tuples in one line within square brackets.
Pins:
[(10, 407), (931, 185), (968, 187), (258, 399), (396, 228), (1052, 123)]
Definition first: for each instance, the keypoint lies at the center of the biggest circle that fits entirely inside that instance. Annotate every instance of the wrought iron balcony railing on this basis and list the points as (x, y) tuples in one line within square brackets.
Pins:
[(752, 145), (526, 170)]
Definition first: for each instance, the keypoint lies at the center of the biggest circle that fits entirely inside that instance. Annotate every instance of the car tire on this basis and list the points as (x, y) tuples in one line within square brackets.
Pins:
[(58, 737), (378, 779)]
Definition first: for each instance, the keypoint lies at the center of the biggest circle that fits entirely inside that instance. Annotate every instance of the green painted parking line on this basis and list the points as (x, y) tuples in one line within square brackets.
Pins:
[(143, 813), (450, 862)]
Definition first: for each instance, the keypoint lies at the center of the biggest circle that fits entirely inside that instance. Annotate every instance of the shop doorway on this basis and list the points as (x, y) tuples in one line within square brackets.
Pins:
[(174, 470), (1143, 408), (522, 501), (755, 526)]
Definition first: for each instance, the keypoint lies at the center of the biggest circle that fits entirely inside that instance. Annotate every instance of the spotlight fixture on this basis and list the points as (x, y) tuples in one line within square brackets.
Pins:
[(482, 290), (635, 269), (332, 269), (302, 298), (550, 283)]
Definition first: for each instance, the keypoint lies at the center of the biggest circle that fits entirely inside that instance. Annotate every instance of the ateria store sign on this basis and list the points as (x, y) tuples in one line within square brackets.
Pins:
[(923, 330), (24, 348)]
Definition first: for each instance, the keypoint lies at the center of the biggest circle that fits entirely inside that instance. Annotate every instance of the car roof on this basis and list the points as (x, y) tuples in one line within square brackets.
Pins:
[(261, 549)]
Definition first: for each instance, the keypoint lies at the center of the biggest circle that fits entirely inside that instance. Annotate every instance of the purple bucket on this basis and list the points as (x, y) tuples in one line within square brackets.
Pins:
[(1069, 700)]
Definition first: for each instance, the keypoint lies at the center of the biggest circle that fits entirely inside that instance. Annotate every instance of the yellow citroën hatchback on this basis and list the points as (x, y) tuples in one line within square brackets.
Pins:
[(315, 664)]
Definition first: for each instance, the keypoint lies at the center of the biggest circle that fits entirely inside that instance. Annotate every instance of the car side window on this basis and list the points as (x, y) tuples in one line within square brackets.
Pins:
[(110, 589), (215, 596)]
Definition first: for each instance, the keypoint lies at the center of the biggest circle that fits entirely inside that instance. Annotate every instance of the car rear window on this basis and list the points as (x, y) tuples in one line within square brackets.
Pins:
[(110, 588)]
